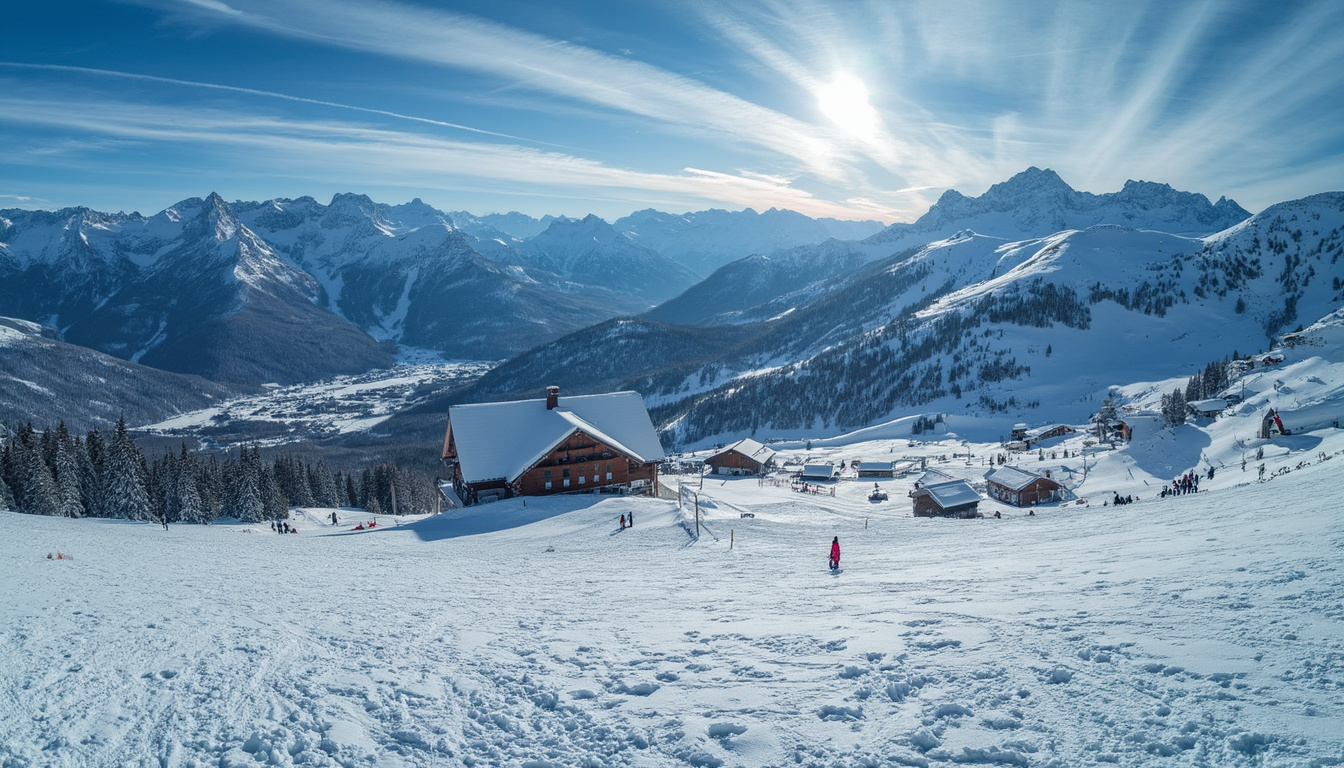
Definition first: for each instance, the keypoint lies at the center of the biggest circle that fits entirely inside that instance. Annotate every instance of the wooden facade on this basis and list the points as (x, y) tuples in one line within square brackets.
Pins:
[(951, 499), (539, 447), (1022, 489), (745, 457)]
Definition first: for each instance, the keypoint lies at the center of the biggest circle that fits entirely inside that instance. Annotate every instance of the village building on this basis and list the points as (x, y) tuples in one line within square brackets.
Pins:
[(875, 469), (1207, 408), (1020, 488), (817, 472), (950, 498), (745, 457), (536, 447)]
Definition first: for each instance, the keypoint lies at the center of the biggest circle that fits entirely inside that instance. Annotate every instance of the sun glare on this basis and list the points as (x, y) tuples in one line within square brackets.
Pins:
[(845, 102)]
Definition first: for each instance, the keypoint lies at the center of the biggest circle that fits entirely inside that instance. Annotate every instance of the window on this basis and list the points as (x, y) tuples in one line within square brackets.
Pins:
[(564, 478), (608, 471), (548, 479), (582, 478)]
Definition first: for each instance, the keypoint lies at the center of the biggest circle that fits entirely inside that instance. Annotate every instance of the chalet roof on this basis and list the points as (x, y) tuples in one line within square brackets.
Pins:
[(1012, 478), (824, 470), (501, 440), (1036, 432), (749, 448), (872, 466), (933, 477), (1214, 405), (953, 493)]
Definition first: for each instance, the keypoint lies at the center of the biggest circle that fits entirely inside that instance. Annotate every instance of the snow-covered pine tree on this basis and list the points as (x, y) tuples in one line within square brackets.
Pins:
[(242, 497), (69, 484), (324, 485), (125, 495)]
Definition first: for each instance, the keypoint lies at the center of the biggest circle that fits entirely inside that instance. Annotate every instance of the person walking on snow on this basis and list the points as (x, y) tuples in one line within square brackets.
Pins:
[(835, 553)]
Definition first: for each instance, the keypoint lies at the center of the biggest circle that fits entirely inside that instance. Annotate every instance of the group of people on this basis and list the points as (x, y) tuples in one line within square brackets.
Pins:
[(628, 521), (1122, 500), (282, 526), (1187, 483)]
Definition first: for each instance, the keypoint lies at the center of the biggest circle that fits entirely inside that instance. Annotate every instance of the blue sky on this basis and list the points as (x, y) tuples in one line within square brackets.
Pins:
[(845, 109)]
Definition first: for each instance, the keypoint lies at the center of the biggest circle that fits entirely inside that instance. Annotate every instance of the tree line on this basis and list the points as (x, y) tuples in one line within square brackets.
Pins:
[(97, 475)]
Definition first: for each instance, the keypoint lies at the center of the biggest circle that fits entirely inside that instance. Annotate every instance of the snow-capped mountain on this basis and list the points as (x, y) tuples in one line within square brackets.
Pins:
[(707, 240), (591, 252), (46, 380), (190, 290), (1036, 202), (979, 324)]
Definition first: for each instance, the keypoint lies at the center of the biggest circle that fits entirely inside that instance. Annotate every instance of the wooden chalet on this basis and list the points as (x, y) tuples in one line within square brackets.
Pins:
[(818, 472), (1020, 488), (537, 447), (876, 469), (745, 457), (950, 498), (1207, 408)]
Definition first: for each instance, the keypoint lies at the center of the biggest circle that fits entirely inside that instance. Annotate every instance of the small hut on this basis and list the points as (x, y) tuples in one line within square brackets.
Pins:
[(952, 498), (1020, 488), (745, 457)]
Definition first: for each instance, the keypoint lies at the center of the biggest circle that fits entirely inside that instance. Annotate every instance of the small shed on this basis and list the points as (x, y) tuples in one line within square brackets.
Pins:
[(876, 469), (1020, 488), (818, 472), (952, 498), (1207, 408), (745, 457)]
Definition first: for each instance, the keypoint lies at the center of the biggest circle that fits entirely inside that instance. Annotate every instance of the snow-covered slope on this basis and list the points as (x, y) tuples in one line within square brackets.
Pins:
[(45, 380), (1194, 631)]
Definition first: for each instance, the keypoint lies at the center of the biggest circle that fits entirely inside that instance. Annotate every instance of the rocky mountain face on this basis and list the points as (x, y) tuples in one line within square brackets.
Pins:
[(189, 290)]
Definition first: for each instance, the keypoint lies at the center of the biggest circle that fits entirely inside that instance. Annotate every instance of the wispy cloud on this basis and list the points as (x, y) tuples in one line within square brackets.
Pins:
[(556, 67), (254, 92), (360, 154)]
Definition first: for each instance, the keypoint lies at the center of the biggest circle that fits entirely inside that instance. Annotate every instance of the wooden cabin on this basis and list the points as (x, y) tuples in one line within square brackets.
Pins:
[(951, 498), (1020, 488), (875, 469), (818, 472), (536, 447), (745, 457)]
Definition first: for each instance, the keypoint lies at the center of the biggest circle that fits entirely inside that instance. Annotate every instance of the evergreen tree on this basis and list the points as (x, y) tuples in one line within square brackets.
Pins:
[(33, 483), (125, 495), (324, 486), (351, 494), (69, 484), (1194, 388), (242, 497), (6, 497)]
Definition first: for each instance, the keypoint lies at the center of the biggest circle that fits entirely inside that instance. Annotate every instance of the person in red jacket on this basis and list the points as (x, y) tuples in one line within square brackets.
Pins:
[(835, 553)]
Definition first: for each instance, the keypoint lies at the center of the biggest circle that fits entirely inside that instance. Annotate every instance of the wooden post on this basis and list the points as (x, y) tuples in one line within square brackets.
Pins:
[(865, 523), (697, 516), (730, 538)]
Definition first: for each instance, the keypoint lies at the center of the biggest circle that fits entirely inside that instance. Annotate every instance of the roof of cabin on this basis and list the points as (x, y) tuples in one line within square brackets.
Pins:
[(953, 493), (749, 448), (1012, 478), (501, 440)]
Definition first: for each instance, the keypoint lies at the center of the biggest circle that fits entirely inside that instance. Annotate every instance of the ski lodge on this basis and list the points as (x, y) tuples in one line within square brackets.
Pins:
[(819, 472), (1020, 488), (745, 457), (1021, 434), (595, 443), (1207, 408), (876, 469), (950, 498)]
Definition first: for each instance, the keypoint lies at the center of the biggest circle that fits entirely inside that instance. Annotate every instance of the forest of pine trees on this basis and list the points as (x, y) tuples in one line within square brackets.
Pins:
[(56, 473)]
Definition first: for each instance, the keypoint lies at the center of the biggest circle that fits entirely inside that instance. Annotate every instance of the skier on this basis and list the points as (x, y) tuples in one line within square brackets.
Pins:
[(622, 522), (631, 519), (333, 518), (835, 553)]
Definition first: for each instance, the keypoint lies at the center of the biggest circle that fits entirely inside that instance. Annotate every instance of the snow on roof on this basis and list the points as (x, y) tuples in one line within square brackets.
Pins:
[(933, 477), (1036, 432), (1208, 406), (953, 493), (501, 440), (751, 449), (824, 470), (1012, 478), (869, 466)]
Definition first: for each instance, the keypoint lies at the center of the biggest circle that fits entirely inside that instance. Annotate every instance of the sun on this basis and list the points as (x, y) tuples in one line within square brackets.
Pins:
[(844, 101)]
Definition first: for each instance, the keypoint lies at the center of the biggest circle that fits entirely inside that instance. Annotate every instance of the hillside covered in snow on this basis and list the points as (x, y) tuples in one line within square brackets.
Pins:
[(1194, 630)]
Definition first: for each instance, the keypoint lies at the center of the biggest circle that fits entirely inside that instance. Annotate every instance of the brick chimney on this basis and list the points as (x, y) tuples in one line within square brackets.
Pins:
[(552, 397)]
